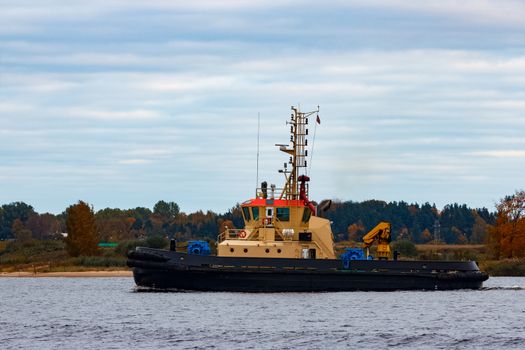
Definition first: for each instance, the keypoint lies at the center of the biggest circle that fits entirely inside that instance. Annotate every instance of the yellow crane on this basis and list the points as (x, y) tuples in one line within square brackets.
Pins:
[(381, 234)]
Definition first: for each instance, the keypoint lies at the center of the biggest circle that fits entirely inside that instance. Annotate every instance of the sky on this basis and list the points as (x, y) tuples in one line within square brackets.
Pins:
[(124, 103)]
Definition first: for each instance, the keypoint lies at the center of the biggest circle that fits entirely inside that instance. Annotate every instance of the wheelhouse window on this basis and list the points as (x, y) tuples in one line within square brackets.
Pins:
[(283, 214), (306, 214), (255, 213), (246, 213)]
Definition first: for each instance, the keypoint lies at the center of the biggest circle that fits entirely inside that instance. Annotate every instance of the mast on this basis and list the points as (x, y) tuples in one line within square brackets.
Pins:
[(258, 138), (298, 153)]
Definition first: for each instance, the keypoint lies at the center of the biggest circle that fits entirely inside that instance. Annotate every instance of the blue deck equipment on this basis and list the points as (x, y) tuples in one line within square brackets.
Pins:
[(199, 248), (352, 254)]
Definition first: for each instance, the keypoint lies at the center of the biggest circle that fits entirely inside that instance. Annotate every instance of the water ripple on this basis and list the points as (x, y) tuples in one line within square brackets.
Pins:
[(54, 313)]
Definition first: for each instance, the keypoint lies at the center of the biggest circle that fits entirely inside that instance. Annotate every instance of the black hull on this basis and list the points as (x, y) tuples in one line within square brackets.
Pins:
[(162, 269)]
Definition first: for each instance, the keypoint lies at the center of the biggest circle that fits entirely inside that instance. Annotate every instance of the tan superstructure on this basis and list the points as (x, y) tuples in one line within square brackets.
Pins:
[(282, 222)]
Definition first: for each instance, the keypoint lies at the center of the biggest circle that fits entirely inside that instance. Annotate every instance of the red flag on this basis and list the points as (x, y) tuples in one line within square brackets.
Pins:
[(318, 120)]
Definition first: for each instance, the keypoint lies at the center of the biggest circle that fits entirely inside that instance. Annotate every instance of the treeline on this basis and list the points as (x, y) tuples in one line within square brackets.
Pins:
[(20, 221), (418, 223), (351, 220)]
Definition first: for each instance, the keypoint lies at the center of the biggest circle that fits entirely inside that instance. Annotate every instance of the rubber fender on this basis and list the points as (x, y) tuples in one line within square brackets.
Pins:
[(474, 276), (135, 255), (148, 265)]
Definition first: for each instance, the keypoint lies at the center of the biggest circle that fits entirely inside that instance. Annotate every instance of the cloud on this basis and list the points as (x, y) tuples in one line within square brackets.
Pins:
[(186, 83), (38, 83), (134, 161), (151, 152), (501, 12), (499, 154), (140, 114)]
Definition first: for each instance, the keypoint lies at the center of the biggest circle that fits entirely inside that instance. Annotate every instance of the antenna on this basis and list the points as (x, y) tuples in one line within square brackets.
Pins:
[(258, 133), (313, 143), (297, 153)]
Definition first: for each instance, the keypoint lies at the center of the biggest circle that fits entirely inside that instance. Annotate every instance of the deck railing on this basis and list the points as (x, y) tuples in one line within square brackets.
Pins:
[(232, 233), (276, 193)]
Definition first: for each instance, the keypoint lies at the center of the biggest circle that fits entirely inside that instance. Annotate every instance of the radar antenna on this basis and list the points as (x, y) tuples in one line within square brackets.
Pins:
[(298, 154)]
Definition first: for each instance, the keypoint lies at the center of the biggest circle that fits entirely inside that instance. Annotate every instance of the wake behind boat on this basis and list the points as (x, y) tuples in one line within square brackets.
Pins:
[(286, 246)]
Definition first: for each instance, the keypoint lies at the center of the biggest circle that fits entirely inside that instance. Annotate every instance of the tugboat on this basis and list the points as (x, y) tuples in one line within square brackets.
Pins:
[(285, 246)]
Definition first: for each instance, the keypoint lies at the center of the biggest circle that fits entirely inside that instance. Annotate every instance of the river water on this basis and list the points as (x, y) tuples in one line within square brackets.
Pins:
[(108, 313)]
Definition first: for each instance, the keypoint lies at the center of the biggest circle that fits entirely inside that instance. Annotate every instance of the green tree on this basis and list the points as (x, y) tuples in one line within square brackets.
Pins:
[(235, 215), (167, 210), (11, 212), (82, 237), (141, 218)]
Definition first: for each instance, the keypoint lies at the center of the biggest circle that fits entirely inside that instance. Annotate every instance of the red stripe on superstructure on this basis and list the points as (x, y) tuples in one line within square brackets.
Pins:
[(261, 202)]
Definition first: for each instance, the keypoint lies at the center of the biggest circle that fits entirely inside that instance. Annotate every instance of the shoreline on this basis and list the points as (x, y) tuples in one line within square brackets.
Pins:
[(100, 273), (119, 273)]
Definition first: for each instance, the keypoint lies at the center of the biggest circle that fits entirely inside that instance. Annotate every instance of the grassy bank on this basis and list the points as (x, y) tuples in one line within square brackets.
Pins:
[(41, 256), (509, 267), (51, 256), (476, 252)]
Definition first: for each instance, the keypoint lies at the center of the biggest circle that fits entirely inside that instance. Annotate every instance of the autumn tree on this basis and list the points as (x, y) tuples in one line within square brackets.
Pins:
[(43, 225), (114, 225), (82, 236), (479, 229), (426, 236), (355, 230), (507, 238), (403, 234), (224, 225), (20, 232)]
